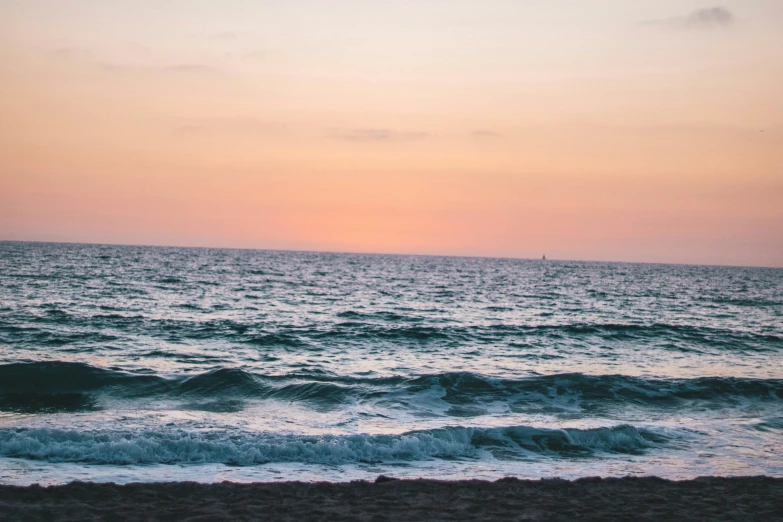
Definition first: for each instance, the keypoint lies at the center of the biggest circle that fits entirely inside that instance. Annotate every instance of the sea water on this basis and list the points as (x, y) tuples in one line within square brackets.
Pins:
[(121, 363)]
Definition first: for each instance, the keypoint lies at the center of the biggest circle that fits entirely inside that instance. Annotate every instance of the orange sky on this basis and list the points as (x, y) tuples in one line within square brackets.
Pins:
[(583, 129)]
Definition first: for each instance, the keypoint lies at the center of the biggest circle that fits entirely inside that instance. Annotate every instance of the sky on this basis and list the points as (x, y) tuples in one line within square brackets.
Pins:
[(622, 130)]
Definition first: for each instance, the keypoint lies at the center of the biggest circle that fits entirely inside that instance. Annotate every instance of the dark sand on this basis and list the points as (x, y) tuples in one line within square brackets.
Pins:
[(747, 498)]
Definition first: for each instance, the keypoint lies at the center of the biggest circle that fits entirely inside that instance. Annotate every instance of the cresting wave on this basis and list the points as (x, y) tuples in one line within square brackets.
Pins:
[(39, 387), (245, 449)]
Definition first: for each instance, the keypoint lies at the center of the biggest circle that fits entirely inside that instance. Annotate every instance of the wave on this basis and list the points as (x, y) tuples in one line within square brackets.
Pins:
[(50, 387), (245, 449), (612, 389), (66, 386), (676, 337), (384, 315), (388, 328), (65, 377)]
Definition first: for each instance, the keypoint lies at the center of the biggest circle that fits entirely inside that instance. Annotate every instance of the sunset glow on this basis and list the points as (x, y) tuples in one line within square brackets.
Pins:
[(596, 130)]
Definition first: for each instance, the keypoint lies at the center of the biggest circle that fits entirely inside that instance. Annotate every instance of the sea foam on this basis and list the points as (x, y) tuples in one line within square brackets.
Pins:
[(227, 447)]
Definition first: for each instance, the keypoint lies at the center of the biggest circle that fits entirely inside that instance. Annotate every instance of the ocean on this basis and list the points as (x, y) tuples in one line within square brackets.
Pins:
[(126, 364)]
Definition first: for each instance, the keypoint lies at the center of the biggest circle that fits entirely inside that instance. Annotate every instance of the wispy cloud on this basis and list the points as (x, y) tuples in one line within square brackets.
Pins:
[(377, 135), (710, 17), (713, 16)]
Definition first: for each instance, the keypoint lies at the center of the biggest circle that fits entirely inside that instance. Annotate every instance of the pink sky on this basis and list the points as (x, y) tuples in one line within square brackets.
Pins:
[(583, 129)]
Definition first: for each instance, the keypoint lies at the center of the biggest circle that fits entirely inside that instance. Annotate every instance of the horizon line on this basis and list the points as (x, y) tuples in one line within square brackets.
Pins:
[(456, 256)]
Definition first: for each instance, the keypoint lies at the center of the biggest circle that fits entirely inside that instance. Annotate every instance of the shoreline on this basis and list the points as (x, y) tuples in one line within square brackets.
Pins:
[(591, 498)]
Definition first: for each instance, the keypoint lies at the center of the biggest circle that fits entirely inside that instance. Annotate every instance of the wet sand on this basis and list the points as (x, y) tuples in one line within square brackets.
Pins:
[(744, 498)]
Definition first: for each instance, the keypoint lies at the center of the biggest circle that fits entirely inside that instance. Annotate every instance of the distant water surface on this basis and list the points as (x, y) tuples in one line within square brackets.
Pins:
[(143, 363)]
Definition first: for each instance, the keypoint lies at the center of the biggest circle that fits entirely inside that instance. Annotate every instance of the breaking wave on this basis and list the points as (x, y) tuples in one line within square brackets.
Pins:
[(245, 449), (65, 386)]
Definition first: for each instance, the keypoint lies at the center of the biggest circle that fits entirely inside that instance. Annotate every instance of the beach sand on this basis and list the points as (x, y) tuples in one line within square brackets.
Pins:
[(744, 498)]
